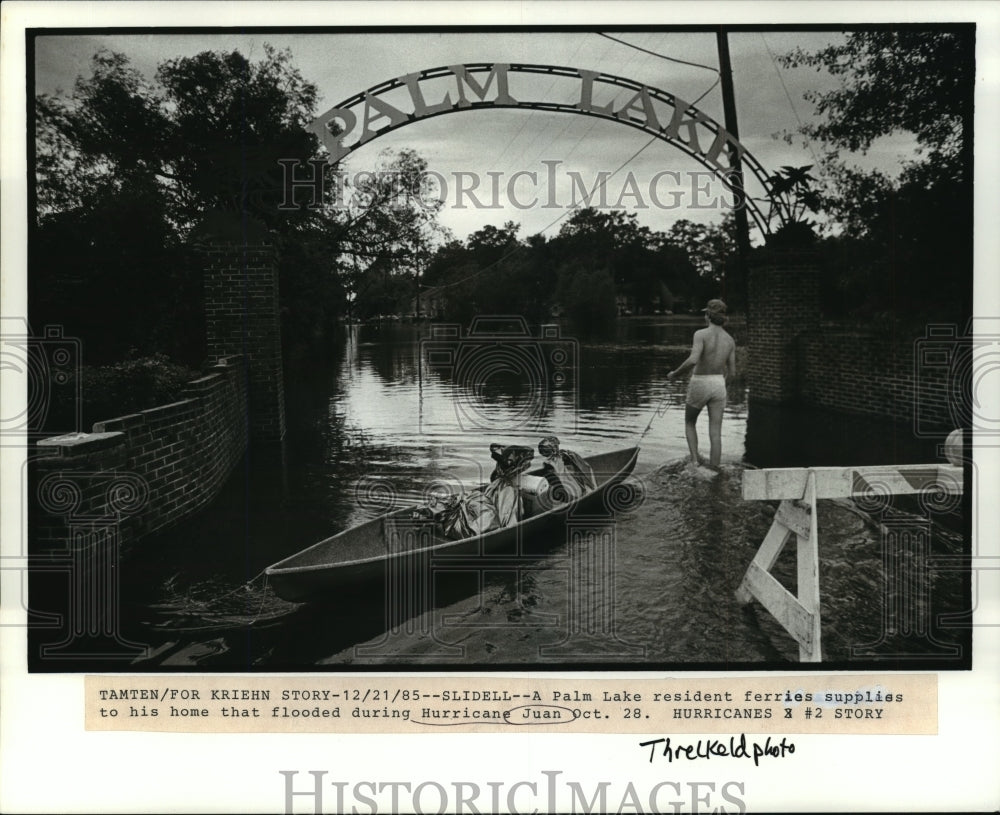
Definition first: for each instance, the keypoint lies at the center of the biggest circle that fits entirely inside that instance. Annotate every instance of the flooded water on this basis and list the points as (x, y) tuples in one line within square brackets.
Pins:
[(383, 423)]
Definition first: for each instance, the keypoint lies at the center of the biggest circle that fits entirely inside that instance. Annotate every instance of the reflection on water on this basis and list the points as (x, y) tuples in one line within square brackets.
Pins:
[(379, 426)]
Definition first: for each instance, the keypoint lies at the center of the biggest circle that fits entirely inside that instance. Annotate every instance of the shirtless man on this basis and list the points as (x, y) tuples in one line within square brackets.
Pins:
[(713, 356)]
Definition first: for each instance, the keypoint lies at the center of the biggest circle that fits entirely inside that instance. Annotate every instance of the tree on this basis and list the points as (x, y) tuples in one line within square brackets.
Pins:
[(111, 273), (494, 272), (206, 134), (447, 257), (915, 79), (491, 244), (210, 132), (126, 167), (614, 241), (680, 277), (389, 230), (916, 226), (711, 250)]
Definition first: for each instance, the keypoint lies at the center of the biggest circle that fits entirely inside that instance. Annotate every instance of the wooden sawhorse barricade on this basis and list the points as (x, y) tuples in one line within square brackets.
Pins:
[(799, 489)]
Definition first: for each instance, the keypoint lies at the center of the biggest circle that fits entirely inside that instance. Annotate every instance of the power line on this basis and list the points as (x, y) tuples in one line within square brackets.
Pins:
[(528, 118), (631, 158), (788, 96), (661, 56), (603, 180), (711, 88), (623, 69), (601, 183), (538, 134), (618, 93)]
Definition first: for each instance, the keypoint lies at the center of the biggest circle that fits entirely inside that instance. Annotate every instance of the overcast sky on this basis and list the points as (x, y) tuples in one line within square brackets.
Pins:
[(508, 141)]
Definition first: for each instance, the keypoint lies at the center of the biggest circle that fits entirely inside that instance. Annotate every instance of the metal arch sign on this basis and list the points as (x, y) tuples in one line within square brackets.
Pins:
[(406, 99)]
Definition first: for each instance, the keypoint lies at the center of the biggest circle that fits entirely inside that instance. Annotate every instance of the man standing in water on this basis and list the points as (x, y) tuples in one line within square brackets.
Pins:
[(713, 356)]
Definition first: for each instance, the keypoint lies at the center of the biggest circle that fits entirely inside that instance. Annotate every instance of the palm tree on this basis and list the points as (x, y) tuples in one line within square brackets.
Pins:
[(791, 194)]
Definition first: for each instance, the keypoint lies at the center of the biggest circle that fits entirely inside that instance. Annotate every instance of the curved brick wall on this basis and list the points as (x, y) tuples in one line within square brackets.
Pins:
[(146, 471)]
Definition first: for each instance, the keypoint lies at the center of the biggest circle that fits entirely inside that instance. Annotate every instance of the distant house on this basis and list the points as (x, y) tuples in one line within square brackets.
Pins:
[(429, 304)]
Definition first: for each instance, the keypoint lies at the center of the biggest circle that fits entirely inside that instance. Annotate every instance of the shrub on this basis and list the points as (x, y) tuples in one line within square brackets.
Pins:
[(127, 387)]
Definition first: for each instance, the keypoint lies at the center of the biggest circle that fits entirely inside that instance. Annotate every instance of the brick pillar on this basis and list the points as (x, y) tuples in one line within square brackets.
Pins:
[(783, 290), (241, 312)]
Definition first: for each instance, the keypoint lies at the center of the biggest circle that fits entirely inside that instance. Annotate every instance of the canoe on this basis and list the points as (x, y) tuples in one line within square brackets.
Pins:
[(395, 541)]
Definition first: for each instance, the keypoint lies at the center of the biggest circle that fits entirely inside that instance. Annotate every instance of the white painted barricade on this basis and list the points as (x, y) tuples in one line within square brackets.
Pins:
[(799, 489)]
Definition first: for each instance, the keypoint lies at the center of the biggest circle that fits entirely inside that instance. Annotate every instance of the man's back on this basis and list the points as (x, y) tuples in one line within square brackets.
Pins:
[(716, 348)]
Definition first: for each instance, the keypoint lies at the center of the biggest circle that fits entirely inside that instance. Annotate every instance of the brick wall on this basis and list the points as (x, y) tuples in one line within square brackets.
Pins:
[(793, 357), (863, 372), (241, 313), (145, 471)]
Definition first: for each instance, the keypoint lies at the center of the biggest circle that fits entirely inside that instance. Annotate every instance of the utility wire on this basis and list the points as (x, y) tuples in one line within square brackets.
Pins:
[(528, 118), (617, 95), (624, 69), (661, 56), (603, 181), (788, 96), (718, 78), (572, 121)]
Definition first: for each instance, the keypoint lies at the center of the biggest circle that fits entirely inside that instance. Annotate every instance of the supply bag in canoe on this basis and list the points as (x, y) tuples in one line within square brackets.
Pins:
[(569, 476), (498, 504)]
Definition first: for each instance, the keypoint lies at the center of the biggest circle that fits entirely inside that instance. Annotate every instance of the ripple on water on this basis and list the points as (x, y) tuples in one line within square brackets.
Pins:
[(677, 557)]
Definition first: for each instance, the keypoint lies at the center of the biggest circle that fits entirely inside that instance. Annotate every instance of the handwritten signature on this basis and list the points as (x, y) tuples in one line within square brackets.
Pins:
[(707, 748)]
